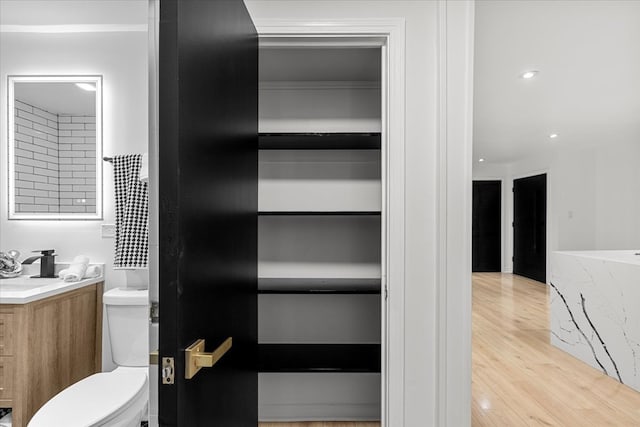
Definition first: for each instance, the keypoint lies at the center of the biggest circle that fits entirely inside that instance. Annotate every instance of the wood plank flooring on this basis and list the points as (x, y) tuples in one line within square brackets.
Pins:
[(519, 378)]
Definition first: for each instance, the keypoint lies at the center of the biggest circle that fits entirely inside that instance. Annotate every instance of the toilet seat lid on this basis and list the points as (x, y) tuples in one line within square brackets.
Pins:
[(93, 400)]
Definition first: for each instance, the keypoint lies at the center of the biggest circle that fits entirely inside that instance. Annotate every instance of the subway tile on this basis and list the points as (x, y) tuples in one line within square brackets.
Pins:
[(90, 126), (31, 192), (52, 138), (83, 133), (71, 140), (83, 119), (45, 172), (23, 168), (84, 187), (32, 177), (65, 201), (31, 162), (64, 119), (24, 184), (23, 122), (84, 174), (45, 143), (66, 181), (63, 187), (71, 126), (53, 180), (23, 199), (54, 208), (65, 160), (31, 132), (91, 167), (52, 152), (43, 186), (32, 117), (84, 161), (65, 147), (53, 167), (31, 147), (46, 201), (38, 208), (72, 194), (24, 153), (22, 137), (46, 129), (45, 158), (66, 174), (64, 133), (72, 167), (71, 209), (52, 124), (65, 153), (23, 106), (45, 114)]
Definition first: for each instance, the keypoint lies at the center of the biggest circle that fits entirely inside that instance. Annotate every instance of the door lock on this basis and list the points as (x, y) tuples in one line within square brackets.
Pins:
[(195, 357), (168, 370)]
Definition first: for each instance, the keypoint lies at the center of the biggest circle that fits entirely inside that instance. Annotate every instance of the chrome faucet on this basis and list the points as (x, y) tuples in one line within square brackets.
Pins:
[(47, 262)]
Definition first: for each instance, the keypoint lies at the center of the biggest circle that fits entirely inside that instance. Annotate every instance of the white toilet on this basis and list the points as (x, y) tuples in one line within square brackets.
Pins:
[(118, 398)]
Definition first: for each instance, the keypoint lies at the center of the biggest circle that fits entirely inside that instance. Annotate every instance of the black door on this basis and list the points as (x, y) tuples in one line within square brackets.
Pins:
[(530, 227), (208, 209), (487, 215)]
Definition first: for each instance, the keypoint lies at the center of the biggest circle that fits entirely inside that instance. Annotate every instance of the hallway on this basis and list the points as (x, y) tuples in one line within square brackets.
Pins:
[(520, 379)]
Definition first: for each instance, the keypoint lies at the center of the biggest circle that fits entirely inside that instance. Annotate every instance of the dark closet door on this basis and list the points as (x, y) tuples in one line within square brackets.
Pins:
[(487, 222), (208, 210), (530, 227)]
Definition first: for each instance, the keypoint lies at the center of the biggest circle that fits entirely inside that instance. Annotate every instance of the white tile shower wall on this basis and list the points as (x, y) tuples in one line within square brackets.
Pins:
[(37, 162), (55, 161), (77, 136)]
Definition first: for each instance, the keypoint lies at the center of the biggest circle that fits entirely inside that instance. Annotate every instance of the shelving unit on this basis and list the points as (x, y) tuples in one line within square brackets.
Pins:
[(319, 248), (290, 285), (319, 358), (319, 141)]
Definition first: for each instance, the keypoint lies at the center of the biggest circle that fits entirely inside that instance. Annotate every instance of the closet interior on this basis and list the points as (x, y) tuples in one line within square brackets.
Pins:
[(319, 232)]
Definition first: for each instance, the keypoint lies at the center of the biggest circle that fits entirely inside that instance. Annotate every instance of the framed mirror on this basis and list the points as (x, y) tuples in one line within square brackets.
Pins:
[(55, 147)]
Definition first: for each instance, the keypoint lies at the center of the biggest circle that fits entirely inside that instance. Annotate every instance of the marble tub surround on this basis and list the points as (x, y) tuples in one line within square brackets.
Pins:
[(594, 310)]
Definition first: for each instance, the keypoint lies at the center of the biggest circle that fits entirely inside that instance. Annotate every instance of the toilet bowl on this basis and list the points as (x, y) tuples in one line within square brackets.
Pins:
[(114, 399)]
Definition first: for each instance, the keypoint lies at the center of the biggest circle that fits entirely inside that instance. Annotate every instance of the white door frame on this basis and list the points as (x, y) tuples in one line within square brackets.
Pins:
[(452, 370), (388, 34)]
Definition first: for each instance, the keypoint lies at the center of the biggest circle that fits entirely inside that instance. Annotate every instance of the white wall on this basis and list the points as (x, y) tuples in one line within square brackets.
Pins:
[(420, 175), (121, 58), (593, 197)]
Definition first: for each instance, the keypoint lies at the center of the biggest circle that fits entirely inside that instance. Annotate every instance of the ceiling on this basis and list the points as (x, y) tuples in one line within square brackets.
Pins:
[(57, 98), (588, 86), (73, 12)]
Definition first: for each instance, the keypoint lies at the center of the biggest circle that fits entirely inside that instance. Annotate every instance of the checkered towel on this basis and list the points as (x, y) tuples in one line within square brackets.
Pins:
[(132, 213)]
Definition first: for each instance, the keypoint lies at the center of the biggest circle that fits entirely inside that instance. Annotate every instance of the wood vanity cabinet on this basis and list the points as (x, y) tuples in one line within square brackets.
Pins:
[(47, 345)]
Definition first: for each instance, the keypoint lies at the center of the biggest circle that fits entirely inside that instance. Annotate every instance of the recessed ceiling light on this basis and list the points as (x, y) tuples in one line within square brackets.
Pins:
[(481, 160), (86, 86), (553, 135), (529, 74)]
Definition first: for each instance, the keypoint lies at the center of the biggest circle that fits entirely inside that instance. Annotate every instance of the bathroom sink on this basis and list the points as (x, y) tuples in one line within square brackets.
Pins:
[(27, 282), (18, 287)]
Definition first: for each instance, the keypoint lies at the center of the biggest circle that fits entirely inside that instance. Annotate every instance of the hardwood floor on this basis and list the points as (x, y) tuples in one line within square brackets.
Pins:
[(520, 379)]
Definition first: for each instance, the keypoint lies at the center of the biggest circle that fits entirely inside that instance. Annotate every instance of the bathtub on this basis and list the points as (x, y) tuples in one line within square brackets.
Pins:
[(595, 310)]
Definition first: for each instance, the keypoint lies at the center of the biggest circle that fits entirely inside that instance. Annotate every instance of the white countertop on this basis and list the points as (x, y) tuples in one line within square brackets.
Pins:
[(25, 289), (625, 256)]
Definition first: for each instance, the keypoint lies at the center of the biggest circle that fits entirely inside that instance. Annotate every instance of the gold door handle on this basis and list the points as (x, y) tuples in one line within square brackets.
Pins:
[(195, 357)]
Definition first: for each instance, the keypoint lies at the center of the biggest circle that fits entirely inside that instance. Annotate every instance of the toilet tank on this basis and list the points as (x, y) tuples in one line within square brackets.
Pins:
[(128, 323)]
